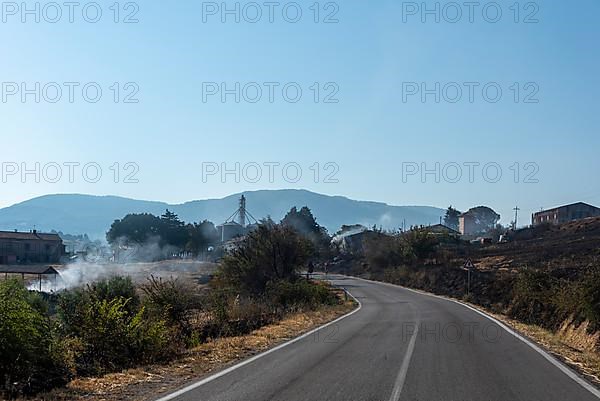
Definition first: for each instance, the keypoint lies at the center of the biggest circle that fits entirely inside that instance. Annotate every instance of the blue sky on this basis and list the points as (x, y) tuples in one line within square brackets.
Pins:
[(367, 58)]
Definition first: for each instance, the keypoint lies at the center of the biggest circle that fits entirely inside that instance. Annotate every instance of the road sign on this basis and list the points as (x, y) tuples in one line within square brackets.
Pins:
[(468, 266)]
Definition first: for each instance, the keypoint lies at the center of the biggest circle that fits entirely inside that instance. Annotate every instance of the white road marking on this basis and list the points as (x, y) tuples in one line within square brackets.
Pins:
[(399, 385), (563, 368), (254, 358)]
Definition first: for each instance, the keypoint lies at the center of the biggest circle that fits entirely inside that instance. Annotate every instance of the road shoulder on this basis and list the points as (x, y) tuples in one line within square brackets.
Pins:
[(150, 382)]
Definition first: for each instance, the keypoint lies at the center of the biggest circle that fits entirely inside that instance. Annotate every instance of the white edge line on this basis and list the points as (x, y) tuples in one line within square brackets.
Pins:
[(565, 369), (254, 358)]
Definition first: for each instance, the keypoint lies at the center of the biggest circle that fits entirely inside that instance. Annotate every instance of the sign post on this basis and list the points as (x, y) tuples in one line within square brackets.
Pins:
[(468, 266)]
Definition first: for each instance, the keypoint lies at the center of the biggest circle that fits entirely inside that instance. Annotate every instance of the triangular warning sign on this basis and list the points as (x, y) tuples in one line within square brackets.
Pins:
[(469, 264)]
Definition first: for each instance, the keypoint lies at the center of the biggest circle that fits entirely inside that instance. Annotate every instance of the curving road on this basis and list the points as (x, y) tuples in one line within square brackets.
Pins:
[(400, 345)]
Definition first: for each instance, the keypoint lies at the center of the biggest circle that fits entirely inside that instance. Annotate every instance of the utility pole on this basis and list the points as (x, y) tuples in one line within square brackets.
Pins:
[(516, 209), (469, 282)]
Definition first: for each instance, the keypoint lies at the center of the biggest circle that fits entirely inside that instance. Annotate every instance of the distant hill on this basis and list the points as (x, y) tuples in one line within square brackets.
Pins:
[(93, 215)]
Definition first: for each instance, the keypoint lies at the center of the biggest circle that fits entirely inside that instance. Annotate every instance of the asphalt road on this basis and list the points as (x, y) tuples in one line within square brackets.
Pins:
[(400, 345)]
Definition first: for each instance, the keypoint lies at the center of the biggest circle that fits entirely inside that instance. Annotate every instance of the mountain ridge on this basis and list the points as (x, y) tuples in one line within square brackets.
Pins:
[(93, 214)]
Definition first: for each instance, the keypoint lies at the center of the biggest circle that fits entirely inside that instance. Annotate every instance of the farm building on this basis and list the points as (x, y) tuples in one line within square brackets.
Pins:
[(32, 247), (441, 229), (564, 214)]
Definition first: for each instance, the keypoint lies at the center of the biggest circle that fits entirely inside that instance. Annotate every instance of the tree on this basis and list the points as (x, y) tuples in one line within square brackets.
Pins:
[(269, 253), (201, 236), (421, 242), (134, 229), (305, 224), (451, 218), (302, 221), (172, 230), (138, 229), (484, 218)]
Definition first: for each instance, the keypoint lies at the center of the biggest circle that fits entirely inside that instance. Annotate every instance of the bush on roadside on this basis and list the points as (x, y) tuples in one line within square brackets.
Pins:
[(173, 301), (231, 315), (116, 287), (72, 304), (247, 314), (28, 361), (112, 339), (299, 294), (533, 300), (109, 330), (401, 275)]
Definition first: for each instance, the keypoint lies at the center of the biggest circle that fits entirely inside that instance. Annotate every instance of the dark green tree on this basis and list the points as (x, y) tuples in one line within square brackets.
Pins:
[(305, 224), (134, 229), (451, 218), (484, 218), (172, 230), (269, 253), (201, 236)]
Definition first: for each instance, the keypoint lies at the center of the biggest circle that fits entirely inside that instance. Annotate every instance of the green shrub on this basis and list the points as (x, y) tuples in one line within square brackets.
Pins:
[(172, 300), (72, 304), (116, 287), (27, 361), (585, 299), (70, 310), (109, 330), (534, 298), (247, 314), (422, 242), (580, 300), (299, 294), (112, 338)]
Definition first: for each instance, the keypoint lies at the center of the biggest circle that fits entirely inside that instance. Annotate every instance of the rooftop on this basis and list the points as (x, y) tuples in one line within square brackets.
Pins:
[(570, 204), (442, 227), (32, 269), (33, 235)]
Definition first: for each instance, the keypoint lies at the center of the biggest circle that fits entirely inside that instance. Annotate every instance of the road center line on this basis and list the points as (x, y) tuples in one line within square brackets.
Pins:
[(399, 385), (554, 361)]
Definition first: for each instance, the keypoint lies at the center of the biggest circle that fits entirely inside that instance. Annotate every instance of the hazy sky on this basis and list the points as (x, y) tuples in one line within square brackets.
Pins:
[(361, 115)]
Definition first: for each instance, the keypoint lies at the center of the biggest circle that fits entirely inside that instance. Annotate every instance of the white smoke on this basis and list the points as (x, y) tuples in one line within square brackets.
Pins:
[(138, 262), (82, 273)]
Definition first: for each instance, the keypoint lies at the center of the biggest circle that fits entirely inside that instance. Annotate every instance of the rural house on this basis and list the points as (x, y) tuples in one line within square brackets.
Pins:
[(32, 247)]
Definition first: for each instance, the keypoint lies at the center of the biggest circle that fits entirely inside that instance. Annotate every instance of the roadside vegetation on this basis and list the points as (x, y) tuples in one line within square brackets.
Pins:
[(545, 277), (114, 324)]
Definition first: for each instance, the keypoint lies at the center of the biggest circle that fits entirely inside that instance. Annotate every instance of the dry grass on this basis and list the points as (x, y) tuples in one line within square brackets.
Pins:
[(150, 381)]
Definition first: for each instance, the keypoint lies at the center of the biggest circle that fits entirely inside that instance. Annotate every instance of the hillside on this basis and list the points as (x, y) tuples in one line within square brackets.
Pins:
[(567, 247), (78, 214)]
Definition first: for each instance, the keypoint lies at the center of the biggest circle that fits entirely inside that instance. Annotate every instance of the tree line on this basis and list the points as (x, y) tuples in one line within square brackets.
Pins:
[(168, 230)]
